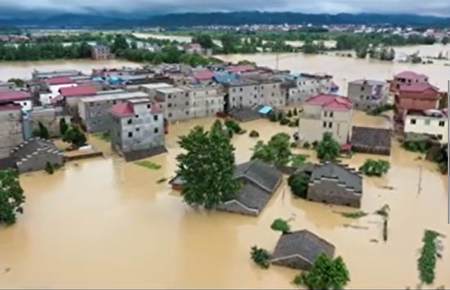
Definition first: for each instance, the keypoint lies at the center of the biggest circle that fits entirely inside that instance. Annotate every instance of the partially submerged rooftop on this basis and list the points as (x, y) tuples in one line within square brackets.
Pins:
[(345, 176)]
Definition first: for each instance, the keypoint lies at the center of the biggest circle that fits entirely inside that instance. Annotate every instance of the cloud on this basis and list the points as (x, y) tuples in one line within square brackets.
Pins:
[(430, 7)]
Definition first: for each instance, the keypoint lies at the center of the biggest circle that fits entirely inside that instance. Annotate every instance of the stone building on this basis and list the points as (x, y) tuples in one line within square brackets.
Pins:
[(33, 155), (93, 111), (11, 133), (326, 113), (137, 128), (334, 183), (304, 86), (101, 52), (367, 95), (204, 100), (150, 89), (299, 250), (174, 102)]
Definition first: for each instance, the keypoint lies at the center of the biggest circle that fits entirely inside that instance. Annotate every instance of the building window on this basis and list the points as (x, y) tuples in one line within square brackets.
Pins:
[(137, 116), (256, 96), (130, 121), (169, 96), (413, 121), (155, 117), (156, 130), (440, 136), (324, 124), (169, 105), (427, 122), (148, 106), (441, 123), (330, 124), (331, 114), (187, 112), (130, 134), (170, 115), (325, 113), (187, 103), (241, 89), (138, 129)]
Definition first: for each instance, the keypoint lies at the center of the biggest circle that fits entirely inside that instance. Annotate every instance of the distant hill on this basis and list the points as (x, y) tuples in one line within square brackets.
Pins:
[(218, 18)]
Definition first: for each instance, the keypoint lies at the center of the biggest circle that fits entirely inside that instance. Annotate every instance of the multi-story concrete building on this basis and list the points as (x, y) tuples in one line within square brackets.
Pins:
[(247, 92), (367, 95), (11, 133), (52, 88), (326, 113), (174, 102), (429, 122), (150, 89), (101, 52), (306, 86), (204, 100), (137, 124), (93, 111)]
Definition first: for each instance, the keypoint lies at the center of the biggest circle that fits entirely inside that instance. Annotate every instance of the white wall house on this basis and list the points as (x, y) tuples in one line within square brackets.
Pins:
[(54, 85), (431, 122)]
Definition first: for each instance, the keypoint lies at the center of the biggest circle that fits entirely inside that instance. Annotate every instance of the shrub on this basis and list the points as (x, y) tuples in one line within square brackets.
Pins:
[(284, 121), (375, 167), (299, 184), (233, 125), (49, 168), (289, 114), (306, 145), (294, 145), (281, 225), (273, 118), (254, 134), (295, 112), (260, 256)]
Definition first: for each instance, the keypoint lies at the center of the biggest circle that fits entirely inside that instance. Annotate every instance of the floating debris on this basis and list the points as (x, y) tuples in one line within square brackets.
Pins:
[(374, 241)]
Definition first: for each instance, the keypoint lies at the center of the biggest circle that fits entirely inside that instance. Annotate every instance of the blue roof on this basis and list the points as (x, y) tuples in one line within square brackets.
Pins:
[(265, 110), (225, 77), (97, 79)]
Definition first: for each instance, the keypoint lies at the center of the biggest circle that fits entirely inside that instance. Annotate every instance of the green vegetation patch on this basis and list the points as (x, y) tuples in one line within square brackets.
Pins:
[(148, 164)]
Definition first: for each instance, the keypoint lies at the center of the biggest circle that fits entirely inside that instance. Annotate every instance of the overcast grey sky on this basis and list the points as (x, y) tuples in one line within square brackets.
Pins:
[(430, 7)]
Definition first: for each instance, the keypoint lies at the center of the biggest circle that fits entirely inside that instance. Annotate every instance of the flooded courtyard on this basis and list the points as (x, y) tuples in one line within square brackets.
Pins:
[(104, 223)]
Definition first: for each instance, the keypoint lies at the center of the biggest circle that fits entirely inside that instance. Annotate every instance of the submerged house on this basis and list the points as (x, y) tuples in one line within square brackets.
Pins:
[(334, 183), (259, 182), (299, 250), (34, 154)]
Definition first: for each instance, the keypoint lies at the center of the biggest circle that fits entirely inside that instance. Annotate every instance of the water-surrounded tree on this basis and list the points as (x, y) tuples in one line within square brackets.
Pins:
[(63, 126), (12, 196), (328, 149), (207, 167), (326, 273), (384, 213), (298, 183), (430, 252), (75, 137), (260, 256), (43, 131), (373, 167), (49, 168), (281, 225), (276, 151)]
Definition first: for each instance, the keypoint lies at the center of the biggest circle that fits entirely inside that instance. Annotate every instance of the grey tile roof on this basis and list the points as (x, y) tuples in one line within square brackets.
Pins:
[(33, 145), (371, 137), (303, 243), (306, 167), (345, 175), (264, 175), (253, 196)]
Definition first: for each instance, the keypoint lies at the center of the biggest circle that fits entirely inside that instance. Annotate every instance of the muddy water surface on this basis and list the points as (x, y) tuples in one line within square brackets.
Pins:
[(106, 224)]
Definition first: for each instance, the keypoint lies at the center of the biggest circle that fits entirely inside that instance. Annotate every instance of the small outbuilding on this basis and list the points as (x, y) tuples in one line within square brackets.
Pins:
[(300, 249), (371, 140)]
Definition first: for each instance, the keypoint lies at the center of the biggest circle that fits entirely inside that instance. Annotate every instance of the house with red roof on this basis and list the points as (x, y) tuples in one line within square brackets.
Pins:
[(70, 97), (137, 128), (326, 113), (53, 85), (17, 97)]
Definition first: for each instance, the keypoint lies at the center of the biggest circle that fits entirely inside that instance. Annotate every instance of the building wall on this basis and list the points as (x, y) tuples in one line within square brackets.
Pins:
[(27, 105), (427, 125), (294, 262), (38, 160), (248, 95), (11, 133), (143, 131), (49, 117), (361, 95), (94, 115), (176, 105), (314, 121), (46, 97), (205, 102), (330, 192), (426, 100)]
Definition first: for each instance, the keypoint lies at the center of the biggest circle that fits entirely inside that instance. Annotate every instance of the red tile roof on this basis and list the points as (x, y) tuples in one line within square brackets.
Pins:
[(408, 75), (10, 107), (11, 96), (331, 102), (203, 75), (79, 91), (54, 81), (126, 109), (417, 88)]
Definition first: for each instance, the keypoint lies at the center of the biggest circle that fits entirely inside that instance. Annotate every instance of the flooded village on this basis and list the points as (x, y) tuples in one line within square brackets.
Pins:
[(118, 219)]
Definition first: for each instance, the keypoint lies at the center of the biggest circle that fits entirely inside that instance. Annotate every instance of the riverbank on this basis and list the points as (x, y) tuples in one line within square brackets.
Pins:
[(123, 229)]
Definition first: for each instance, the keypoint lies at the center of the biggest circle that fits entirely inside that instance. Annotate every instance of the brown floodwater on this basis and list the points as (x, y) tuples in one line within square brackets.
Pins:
[(103, 223)]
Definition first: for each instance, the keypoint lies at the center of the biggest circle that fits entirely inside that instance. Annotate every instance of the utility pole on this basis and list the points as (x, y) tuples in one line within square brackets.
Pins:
[(277, 60), (419, 187)]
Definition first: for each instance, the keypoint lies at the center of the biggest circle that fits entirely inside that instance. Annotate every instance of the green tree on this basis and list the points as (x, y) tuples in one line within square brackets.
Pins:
[(12, 197), (207, 167), (260, 256), (328, 149), (49, 168), (373, 167), (63, 126), (43, 131), (445, 40), (233, 125), (281, 225), (18, 82), (74, 136), (277, 151), (204, 40), (429, 254), (325, 274), (298, 184), (120, 44)]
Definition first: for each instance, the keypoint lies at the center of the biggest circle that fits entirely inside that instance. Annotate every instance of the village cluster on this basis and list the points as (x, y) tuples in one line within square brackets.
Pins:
[(135, 108)]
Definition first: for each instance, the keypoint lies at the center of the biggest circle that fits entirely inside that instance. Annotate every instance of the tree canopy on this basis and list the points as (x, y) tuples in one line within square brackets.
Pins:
[(298, 183), (12, 196), (207, 167), (328, 149), (276, 151), (325, 274), (74, 136)]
